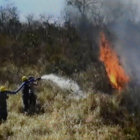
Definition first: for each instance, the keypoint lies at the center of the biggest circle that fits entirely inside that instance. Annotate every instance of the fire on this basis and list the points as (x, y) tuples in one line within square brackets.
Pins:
[(115, 71)]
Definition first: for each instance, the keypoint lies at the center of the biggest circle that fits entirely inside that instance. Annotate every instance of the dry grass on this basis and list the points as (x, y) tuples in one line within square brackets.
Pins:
[(97, 116)]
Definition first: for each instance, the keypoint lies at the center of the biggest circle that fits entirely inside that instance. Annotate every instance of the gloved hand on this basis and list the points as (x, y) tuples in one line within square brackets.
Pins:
[(38, 79)]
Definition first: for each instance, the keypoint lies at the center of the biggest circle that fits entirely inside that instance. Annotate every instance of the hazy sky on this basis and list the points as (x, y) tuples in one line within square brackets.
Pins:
[(36, 7)]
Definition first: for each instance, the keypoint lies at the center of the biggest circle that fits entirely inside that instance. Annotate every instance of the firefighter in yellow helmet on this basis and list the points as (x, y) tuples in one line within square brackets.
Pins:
[(28, 95), (3, 101)]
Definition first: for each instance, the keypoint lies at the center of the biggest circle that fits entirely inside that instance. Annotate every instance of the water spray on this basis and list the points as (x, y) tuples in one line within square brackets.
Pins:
[(64, 84)]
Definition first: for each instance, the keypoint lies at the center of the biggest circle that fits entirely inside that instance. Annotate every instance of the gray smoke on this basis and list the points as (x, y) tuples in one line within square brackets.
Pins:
[(122, 19)]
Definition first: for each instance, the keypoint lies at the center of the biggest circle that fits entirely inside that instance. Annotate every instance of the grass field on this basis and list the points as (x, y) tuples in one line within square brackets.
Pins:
[(59, 117)]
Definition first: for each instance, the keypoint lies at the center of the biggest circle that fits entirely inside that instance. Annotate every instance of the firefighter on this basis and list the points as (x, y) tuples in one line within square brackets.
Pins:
[(3, 101), (28, 94)]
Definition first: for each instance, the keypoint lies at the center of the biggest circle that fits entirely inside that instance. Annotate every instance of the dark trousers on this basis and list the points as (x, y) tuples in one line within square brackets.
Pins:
[(29, 101), (3, 115)]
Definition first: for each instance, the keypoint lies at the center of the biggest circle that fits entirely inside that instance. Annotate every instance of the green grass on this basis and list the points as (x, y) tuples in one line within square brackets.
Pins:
[(97, 116)]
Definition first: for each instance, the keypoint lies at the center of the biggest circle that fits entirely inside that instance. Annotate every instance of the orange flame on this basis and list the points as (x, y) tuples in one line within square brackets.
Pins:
[(115, 71)]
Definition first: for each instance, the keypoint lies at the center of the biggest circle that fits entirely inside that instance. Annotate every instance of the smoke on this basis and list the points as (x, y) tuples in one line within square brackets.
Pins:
[(122, 19), (118, 10), (65, 84)]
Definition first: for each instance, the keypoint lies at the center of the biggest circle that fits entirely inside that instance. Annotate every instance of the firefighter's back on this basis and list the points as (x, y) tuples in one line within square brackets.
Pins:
[(3, 106)]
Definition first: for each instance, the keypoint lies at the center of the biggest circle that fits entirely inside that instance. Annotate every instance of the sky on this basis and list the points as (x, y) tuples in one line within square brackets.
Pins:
[(36, 7)]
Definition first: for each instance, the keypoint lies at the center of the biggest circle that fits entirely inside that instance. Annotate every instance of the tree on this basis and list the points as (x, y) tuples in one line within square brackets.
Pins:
[(87, 9), (9, 21)]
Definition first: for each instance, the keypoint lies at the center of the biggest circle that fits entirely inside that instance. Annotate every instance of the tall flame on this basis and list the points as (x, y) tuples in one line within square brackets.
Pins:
[(115, 71)]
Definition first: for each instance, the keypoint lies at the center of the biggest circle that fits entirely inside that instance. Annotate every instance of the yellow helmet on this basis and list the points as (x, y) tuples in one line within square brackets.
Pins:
[(2, 89), (24, 78)]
